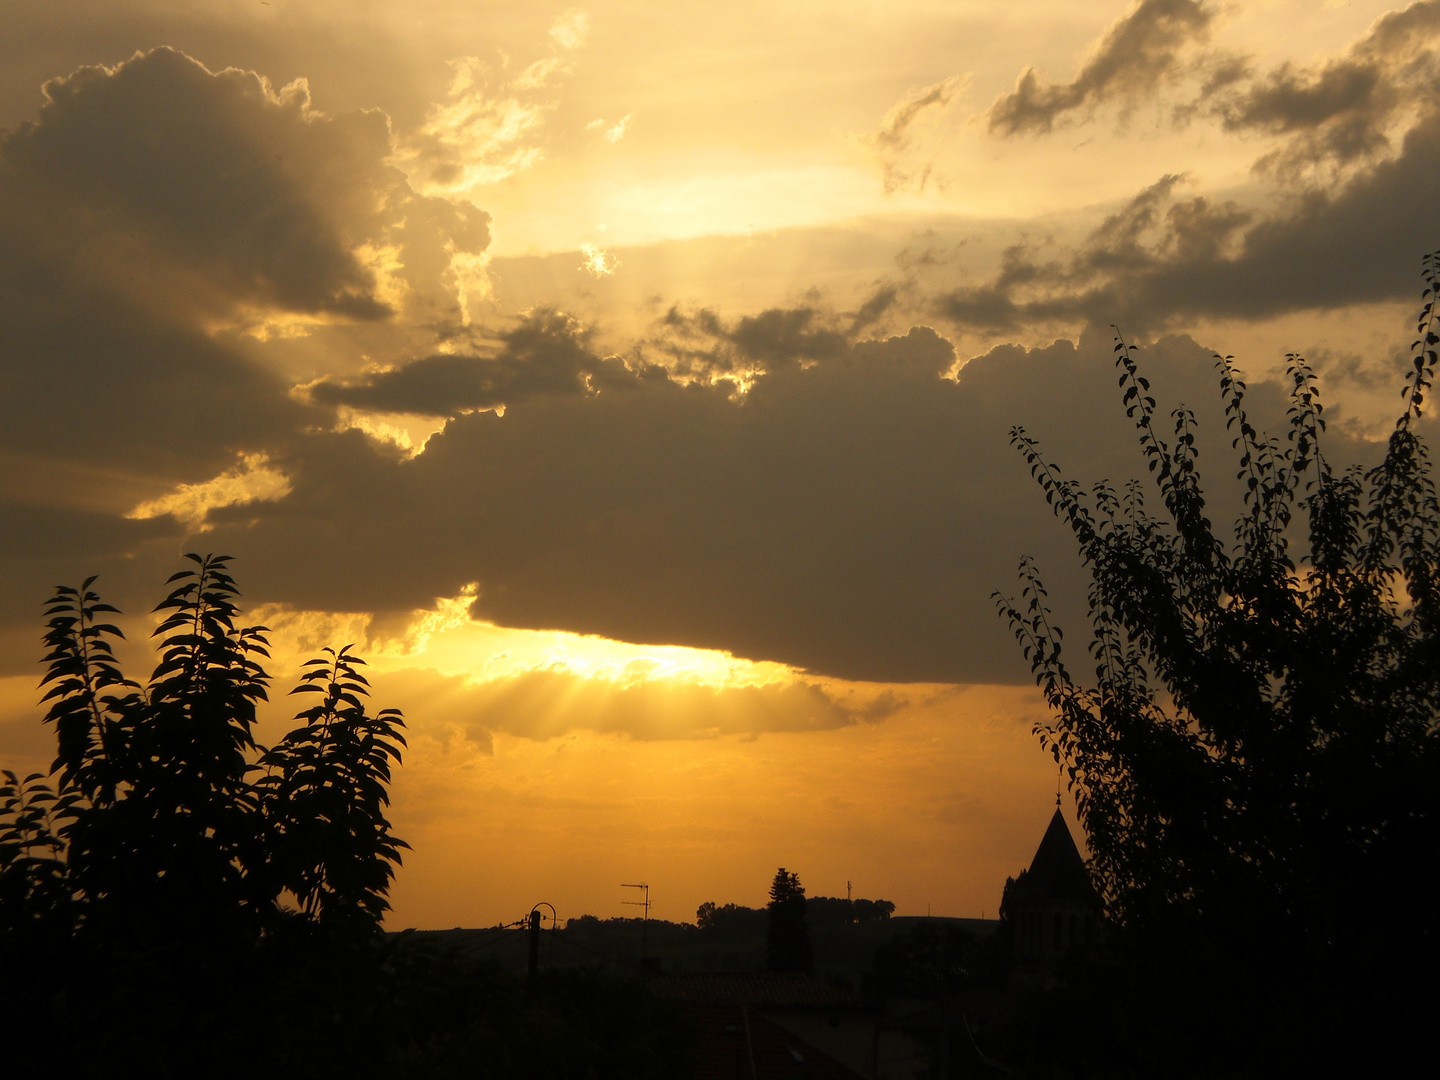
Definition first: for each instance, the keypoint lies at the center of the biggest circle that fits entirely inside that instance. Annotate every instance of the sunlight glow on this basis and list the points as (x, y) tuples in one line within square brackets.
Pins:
[(252, 480), (405, 432), (598, 262), (446, 639)]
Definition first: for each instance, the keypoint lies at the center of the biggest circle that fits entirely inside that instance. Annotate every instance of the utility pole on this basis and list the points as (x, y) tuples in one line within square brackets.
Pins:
[(645, 921), (534, 965)]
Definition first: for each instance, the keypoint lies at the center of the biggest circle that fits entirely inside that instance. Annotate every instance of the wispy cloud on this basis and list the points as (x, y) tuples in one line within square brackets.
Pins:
[(570, 30), (1139, 52), (611, 133), (897, 137), (487, 128)]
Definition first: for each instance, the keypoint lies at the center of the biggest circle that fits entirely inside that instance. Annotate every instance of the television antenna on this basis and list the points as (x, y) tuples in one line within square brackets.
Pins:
[(645, 920)]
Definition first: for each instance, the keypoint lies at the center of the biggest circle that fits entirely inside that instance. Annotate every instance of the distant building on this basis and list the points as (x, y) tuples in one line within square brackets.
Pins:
[(1051, 907)]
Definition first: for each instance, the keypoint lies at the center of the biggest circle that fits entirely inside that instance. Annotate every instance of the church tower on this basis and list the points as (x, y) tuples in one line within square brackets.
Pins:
[(1051, 907)]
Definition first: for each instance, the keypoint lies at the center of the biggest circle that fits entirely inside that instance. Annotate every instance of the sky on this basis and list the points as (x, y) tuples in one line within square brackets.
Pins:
[(633, 383)]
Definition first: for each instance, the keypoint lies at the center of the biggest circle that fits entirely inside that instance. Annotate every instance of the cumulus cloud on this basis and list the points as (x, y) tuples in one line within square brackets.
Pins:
[(220, 179), (153, 210), (1144, 49), (213, 198)]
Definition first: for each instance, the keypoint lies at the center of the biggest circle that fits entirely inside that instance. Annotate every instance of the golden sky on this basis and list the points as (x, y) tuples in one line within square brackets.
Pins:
[(634, 381)]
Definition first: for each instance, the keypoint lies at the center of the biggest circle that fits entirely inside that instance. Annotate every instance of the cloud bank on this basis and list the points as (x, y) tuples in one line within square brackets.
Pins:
[(771, 484)]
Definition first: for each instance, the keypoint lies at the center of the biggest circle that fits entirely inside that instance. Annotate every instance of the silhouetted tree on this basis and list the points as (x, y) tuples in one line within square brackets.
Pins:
[(787, 940), (731, 920), (157, 821), (821, 911), (143, 895), (163, 832), (1257, 761), (325, 797)]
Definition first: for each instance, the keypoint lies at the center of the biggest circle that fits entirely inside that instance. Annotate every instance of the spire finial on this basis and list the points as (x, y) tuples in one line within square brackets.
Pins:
[(1059, 782)]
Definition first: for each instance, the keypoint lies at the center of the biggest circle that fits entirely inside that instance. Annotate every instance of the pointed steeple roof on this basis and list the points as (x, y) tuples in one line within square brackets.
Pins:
[(1057, 869)]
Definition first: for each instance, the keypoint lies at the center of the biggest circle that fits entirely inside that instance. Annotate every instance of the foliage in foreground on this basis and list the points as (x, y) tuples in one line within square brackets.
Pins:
[(168, 821), (185, 902), (1257, 759)]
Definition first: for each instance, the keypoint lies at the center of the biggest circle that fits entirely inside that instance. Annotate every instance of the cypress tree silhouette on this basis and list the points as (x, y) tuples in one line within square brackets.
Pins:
[(787, 939)]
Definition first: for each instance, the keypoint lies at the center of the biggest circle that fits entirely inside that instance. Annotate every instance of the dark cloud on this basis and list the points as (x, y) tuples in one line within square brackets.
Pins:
[(1351, 235), (763, 484), (547, 353), (1329, 115), (224, 175), (702, 344), (1161, 260), (152, 210), (850, 516), (1342, 111), (151, 201), (1138, 53), (881, 301), (1379, 375), (212, 196), (89, 379)]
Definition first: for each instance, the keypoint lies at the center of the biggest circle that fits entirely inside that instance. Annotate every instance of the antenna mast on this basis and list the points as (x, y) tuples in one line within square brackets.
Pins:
[(645, 920)]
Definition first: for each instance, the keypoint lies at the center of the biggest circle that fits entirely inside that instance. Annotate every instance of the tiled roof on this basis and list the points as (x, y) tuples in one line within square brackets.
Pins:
[(735, 1042), (759, 989)]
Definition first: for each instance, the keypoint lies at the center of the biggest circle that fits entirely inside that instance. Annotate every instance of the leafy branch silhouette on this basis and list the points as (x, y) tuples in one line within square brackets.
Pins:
[(1258, 754)]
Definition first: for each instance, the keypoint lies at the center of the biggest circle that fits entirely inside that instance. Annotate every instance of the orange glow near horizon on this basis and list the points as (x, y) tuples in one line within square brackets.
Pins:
[(931, 809), (931, 805)]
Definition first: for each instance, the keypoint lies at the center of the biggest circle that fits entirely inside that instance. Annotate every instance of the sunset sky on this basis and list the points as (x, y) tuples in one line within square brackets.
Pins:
[(633, 381)]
